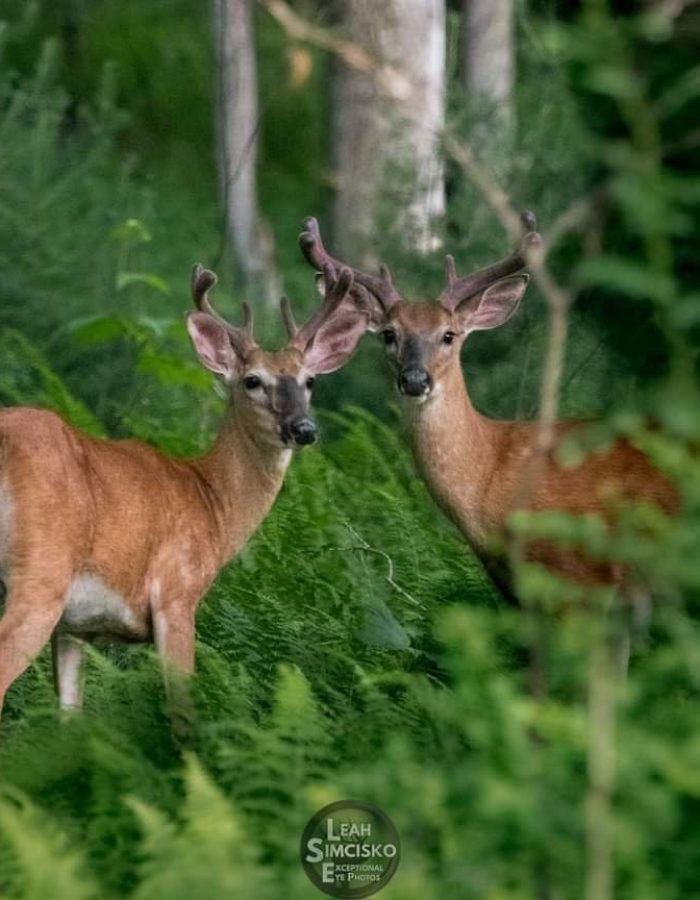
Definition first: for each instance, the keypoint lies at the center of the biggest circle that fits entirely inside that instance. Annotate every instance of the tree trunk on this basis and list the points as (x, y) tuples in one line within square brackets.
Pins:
[(371, 136), (489, 72), (237, 124)]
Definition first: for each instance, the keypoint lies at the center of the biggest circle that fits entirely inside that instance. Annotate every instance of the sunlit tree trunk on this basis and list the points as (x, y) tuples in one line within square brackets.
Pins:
[(489, 71), (238, 123), (371, 135)]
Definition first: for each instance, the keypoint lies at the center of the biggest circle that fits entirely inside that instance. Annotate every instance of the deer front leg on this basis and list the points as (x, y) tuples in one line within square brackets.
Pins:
[(32, 613), (173, 632), (67, 664)]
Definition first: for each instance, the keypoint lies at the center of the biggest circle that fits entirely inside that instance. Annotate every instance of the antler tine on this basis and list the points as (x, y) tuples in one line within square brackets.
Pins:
[(528, 220), (202, 282), (362, 299), (460, 289), (316, 255), (288, 316), (248, 320), (450, 270), (337, 289)]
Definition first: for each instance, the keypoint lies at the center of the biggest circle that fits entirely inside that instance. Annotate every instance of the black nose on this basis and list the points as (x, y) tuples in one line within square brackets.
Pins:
[(303, 432), (415, 382)]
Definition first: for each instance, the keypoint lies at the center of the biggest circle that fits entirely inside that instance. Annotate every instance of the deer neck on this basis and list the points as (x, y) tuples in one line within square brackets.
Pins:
[(240, 478), (454, 448)]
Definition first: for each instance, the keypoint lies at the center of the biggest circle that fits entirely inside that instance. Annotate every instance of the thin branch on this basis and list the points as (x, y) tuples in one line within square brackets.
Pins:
[(575, 216), (484, 181), (368, 548), (389, 81)]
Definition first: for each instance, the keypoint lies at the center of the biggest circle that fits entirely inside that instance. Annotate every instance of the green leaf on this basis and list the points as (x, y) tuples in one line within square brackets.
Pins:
[(98, 329), (209, 853), (172, 370), (48, 864), (126, 279), (619, 273), (27, 379), (614, 81), (132, 231), (685, 313), (682, 91), (160, 326), (380, 628)]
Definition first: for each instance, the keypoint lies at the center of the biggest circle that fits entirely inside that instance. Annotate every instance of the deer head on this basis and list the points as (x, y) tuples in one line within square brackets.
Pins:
[(424, 339), (271, 390)]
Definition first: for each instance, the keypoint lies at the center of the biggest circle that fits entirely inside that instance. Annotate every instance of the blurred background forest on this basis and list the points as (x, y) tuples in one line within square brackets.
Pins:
[(357, 648)]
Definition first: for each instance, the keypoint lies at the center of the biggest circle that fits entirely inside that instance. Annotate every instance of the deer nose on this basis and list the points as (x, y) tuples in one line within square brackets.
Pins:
[(303, 432), (415, 382)]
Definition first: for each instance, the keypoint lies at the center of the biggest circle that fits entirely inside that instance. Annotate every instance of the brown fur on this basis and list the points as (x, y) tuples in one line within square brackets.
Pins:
[(156, 530), (114, 538), (478, 469)]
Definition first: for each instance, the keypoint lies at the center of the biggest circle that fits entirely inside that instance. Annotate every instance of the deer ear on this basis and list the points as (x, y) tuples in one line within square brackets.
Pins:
[(495, 305), (212, 344), (336, 341)]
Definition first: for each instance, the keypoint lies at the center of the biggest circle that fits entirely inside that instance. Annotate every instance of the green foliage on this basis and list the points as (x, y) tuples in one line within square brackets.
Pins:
[(194, 858), (28, 380), (41, 861), (356, 648), (301, 699)]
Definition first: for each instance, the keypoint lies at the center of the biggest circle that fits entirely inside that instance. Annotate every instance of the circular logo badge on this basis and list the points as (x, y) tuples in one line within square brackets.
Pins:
[(350, 849)]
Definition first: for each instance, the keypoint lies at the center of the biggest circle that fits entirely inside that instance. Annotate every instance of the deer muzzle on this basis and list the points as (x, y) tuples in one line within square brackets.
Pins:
[(301, 431), (413, 379), (415, 382)]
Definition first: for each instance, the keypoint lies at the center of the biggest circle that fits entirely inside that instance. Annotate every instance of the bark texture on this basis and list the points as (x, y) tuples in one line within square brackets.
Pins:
[(238, 121), (489, 69), (371, 134)]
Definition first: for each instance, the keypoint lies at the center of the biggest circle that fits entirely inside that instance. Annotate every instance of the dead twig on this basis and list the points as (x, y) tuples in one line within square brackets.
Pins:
[(387, 79)]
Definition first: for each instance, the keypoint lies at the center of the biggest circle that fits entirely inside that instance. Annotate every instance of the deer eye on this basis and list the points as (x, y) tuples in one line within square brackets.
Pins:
[(251, 382), (310, 383), (448, 337), (389, 336)]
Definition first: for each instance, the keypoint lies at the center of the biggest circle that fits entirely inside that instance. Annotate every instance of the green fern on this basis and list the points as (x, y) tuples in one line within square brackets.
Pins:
[(208, 853), (38, 860)]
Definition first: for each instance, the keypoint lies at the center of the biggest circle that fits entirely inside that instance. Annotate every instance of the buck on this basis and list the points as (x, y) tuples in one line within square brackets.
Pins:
[(476, 468), (115, 539)]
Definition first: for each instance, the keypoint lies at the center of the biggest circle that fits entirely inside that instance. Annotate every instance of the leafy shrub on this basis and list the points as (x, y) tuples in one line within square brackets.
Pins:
[(357, 648)]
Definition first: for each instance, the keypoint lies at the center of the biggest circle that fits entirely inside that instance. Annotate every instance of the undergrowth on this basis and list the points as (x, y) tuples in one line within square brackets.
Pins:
[(347, 654), (356, 648)]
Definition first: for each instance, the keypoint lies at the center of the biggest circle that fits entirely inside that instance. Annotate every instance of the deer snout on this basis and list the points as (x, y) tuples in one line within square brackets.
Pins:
[(415, 382), (301, 431)]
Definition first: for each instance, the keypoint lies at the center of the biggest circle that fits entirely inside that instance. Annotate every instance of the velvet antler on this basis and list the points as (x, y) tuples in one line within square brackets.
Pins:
[(460, 289), (202, 282)]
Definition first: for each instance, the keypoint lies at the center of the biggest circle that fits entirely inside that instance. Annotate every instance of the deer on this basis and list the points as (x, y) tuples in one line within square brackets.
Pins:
[(113, 539), (479, 470)]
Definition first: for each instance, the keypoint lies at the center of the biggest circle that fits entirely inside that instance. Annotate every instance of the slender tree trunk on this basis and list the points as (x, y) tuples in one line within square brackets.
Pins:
[(489, 71), (370, 135), (238, 121)]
